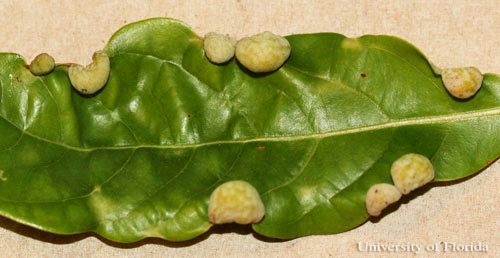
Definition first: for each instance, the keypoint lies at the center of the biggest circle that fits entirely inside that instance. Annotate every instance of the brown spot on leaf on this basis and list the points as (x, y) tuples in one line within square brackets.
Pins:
[(363, 75), (261, 148)]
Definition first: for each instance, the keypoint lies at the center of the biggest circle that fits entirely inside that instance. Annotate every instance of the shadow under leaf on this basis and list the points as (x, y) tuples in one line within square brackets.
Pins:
[(405, 199), (57, 239)]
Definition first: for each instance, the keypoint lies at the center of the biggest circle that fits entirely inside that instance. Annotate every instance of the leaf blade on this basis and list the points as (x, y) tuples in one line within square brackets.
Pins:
[(141, 158)]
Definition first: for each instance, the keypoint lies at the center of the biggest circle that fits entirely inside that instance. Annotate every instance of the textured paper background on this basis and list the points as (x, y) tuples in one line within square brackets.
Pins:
[(450, 33)]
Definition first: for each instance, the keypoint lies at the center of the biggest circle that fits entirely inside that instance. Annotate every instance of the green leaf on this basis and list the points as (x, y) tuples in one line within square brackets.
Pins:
[(141, 158)]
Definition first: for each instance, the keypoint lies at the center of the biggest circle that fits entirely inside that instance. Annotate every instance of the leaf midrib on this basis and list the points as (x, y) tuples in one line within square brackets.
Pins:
[(390, 124)]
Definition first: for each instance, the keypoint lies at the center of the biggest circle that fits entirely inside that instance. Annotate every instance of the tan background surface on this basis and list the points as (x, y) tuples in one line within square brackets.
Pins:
[(451, 33)]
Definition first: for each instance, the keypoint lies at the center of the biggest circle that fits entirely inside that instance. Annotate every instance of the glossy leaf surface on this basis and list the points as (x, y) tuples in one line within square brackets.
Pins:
[(140, 158)]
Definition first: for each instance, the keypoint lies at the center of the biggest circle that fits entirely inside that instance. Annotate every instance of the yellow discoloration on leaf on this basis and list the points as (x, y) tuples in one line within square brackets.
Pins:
[(152, 232), (351, 43), (2, 177), (31, 157), (103, 207), (23, 77)]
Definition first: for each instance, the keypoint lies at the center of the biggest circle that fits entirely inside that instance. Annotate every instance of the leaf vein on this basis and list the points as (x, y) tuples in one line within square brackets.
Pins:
[(374, 127)]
